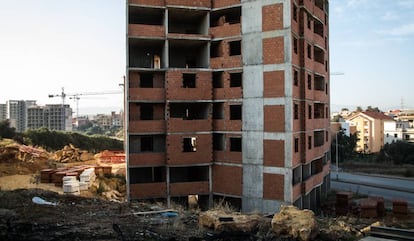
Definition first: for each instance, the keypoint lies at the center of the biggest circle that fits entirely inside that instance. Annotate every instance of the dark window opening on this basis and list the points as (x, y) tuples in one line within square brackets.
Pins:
[(309, 111), (147, 144), (189, 144), (309, 48), (235, 48), (215, 49), (235, 79), (189, 111), (235, 144), (296, 111), (229, 16), (295, 45), (147, 112), (319, 55), (319, 138), (319, 111), (235, 112), (189, 174), (306, 172), (309, 82), (189, 80), (297, 174), (309, 20), (296, 78), (146, 80), (309, 142), (147, 175), (147, 16), (296, 144), (218, 142), (319, 4), (218, 111), (218, 80), (318, 28), (295, 13), (319, 82)]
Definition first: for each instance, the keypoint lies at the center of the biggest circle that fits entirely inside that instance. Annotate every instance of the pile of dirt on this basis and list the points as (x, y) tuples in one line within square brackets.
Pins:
[(70, 153), (21, 159)]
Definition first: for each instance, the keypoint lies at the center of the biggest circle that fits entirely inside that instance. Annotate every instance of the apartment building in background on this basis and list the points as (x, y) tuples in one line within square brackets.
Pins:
[(228, 99), (51, 116), (17, 113), (3, 112), (373, 129)]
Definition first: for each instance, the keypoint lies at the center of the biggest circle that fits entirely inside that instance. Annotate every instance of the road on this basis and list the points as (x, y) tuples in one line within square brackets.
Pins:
[(385, 186)]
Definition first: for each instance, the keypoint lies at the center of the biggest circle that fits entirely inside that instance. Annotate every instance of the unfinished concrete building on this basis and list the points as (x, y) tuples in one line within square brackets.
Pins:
[(228, 99)]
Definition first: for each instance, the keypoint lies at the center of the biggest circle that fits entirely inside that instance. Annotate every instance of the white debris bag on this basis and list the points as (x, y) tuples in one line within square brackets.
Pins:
[(41, 201)]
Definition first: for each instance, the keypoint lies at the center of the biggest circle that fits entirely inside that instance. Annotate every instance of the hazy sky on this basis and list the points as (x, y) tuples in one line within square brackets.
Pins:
[(49, 44), (80, 45), (372, 43)]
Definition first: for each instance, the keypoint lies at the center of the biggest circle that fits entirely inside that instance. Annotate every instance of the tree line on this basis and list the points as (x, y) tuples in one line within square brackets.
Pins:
[(55, 140)]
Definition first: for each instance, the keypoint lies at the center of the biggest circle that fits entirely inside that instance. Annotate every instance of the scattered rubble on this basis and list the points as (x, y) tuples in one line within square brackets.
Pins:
[(222, 221), (297, 224), (69, 154)]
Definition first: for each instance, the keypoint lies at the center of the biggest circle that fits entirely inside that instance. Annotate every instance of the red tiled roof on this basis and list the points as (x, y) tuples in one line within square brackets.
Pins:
[(377, 115)]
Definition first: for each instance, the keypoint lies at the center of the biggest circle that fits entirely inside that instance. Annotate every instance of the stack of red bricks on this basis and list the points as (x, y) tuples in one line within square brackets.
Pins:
[(399, 207), (56, 175), (343, 200)]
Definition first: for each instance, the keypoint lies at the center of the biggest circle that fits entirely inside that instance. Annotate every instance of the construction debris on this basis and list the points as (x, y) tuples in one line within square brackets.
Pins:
[(222, 221), (69, 154), (297, 224)]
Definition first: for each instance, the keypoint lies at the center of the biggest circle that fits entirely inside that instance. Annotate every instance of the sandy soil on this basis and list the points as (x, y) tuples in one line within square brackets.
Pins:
[(14, 182)]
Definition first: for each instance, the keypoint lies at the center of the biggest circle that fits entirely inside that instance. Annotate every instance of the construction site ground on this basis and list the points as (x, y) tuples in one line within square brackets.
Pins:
[(93, 216)]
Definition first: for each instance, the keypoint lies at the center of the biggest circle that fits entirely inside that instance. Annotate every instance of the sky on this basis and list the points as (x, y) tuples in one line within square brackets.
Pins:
[(372, 44), (75, 44), (80, 45)]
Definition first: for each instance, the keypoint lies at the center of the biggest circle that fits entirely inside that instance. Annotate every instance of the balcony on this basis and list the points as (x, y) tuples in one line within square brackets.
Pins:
[(148, 94), (312, 182), (148, 190), (143, 30), (140, 126), (296, 191), (189, 188), (146, 159), (319, 13)]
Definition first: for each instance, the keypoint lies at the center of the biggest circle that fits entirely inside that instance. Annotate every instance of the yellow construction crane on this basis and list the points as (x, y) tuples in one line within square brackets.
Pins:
[(76, 96)]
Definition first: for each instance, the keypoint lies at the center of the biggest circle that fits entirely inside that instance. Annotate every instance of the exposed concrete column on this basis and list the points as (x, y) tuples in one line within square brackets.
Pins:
[(253, 114)]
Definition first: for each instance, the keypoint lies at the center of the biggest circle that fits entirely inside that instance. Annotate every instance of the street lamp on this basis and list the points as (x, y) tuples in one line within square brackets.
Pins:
[(336, 155)]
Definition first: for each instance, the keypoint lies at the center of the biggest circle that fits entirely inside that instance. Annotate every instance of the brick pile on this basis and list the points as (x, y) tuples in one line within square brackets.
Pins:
[(343, 203)]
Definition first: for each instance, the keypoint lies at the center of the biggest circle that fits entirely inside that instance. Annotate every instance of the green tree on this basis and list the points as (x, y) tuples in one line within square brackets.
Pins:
[(6, 131), (346, 146), (373, 109)]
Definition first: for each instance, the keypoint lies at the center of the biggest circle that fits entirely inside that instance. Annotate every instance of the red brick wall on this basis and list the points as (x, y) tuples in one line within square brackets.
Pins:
[(224, 3), (146, 30), (272, 17), (273, 50), (274, 84), (274, 153), (274, 118), (226, 30), (148, 2), (176, 156), (227, 179), (203, 90), (191, 3), (273, 186)]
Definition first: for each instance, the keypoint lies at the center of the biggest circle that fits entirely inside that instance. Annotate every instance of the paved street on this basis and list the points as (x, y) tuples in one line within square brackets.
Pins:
[(387, 187)]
